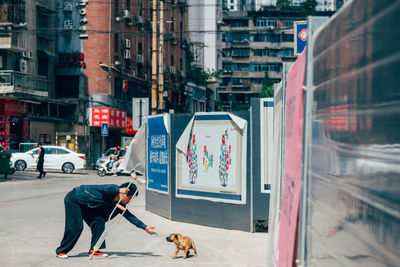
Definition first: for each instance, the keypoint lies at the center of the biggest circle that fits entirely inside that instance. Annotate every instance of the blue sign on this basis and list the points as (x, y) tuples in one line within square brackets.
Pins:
[(301, 37), (157, 156), (104, 129)]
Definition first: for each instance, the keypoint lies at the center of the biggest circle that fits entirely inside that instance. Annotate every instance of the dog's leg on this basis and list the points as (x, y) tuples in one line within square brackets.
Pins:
[(185, 252), (194, 249), (176, 253)]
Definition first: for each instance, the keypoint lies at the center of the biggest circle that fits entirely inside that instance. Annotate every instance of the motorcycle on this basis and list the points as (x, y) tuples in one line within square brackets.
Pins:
[(107, 169)]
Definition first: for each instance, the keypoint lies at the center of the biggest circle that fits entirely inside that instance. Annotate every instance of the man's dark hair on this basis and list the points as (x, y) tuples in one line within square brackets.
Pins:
[(39, 144), (132, 189)]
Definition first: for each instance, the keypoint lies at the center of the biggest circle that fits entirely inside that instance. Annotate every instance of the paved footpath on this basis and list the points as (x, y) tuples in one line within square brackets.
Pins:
[(32, 225)]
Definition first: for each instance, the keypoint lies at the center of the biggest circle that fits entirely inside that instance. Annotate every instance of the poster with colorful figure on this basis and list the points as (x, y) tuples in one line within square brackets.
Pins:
[(211, 158)]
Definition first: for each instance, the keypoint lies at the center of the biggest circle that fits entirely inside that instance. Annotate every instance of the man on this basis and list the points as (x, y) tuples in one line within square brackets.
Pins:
[(114, 157), (40, 161), (120, 157), (94, 204)]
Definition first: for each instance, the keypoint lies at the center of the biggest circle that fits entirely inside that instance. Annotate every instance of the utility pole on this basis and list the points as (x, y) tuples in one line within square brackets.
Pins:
[(161, 61), (154, 61)]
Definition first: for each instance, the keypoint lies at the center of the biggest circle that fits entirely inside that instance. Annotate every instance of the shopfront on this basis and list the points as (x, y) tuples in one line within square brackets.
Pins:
[(14, 124), (116, 121)]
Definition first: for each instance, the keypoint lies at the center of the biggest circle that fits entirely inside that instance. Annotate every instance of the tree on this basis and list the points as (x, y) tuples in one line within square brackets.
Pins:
[(267, 89), (281, 4), (309, 6)]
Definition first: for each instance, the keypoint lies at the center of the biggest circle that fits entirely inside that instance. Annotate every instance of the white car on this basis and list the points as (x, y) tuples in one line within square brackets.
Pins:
[(56, 157)]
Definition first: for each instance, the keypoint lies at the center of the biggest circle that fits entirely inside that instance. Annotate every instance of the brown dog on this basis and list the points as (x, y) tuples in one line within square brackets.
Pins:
[(182, 243)]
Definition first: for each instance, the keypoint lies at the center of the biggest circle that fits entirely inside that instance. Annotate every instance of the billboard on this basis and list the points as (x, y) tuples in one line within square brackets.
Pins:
[(211, 158), (157, 153)]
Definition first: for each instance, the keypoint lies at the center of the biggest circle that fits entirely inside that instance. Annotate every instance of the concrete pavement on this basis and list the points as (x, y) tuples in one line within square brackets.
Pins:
[(32, 224)]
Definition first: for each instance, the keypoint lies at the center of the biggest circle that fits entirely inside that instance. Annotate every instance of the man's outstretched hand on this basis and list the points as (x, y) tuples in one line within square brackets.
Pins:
[(150, 230)]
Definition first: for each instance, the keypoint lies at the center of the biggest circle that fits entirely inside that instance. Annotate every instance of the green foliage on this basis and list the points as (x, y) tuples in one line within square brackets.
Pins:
[(308, 7), (283, 4), (267, 87), (194, 72)]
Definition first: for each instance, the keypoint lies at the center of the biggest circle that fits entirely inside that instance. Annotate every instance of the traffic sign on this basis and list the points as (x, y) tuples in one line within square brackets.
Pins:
[(104, 129)]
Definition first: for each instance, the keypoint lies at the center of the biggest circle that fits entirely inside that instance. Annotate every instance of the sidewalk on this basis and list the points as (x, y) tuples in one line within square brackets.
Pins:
[(32, 223)]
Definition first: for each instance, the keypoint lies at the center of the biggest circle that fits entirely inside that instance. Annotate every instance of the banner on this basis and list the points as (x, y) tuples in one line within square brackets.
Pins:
[(157, 156), (291, 187)]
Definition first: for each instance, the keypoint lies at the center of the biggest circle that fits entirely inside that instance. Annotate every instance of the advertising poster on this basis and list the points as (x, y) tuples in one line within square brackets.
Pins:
[(267, 132), (157, 153), (211, 158), (291, 187)]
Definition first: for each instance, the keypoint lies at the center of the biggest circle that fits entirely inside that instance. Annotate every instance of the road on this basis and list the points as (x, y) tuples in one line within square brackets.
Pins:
[(32, 225)]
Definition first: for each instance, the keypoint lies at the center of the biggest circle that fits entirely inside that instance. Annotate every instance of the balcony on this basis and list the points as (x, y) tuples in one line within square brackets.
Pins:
[(13, 82), (10, 41)]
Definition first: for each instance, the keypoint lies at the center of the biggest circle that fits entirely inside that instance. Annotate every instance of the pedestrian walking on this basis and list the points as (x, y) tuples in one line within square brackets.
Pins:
[(40, 161), (94, 205)]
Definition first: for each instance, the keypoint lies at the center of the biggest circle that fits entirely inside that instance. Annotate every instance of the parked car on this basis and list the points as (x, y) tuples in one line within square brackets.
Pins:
[(56, 158), (105, 156)]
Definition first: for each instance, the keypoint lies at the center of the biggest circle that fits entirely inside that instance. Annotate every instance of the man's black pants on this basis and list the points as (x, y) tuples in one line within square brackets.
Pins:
[(74, 216), (40, 167)]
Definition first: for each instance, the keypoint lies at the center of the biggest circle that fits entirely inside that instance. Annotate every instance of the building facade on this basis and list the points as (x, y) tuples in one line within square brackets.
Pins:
[(254, 43), (29, 109), (105, 59)]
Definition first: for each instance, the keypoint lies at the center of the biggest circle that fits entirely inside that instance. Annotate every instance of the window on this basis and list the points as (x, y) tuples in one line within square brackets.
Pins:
[(287, 37), (240, 52), (118, 88), (288, 52), (50, 150), (62, 151), (67, 86), (116, 43), (236, 81), (116, 8)]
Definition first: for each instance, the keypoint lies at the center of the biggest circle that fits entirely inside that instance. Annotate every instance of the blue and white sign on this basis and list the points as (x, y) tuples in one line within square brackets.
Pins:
[(300, 38), (104, 129), (157, 156)]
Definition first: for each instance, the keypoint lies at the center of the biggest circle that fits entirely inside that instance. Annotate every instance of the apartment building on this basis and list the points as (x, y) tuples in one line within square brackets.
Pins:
[(253, 43), (29, 110), (105, 58)]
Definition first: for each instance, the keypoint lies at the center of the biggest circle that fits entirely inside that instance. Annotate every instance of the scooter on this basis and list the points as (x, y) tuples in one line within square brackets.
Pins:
[(107, 169)]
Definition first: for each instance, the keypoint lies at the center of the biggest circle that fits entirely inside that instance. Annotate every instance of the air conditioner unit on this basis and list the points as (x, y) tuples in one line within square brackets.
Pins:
[(23, 66), (182, 73), (25, 54), (139, 59), (127, 54), (172, 69), (127, 43), (68, 25), (145, 77), (117, 63), (117, 19), (83, 2), (126, 14), (138, 20)]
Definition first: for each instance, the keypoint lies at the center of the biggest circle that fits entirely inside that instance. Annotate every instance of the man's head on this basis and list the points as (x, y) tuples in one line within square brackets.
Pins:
[(39, 144), (132, 191), (118, 148)]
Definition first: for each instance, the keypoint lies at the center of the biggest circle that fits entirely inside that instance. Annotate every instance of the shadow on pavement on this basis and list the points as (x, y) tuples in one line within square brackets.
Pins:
[(118, 254)]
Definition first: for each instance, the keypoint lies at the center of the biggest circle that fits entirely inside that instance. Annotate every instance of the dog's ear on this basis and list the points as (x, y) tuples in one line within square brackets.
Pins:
[(176, 236)]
